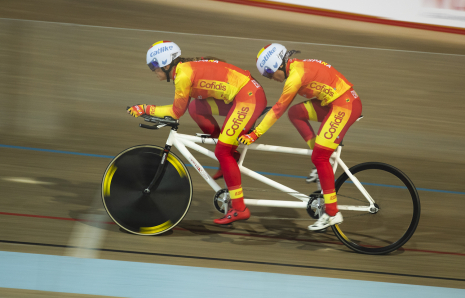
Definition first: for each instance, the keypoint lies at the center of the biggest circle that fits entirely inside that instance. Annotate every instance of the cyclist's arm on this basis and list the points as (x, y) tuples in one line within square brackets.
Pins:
[(183, 85), (161, 111), (292, 85)]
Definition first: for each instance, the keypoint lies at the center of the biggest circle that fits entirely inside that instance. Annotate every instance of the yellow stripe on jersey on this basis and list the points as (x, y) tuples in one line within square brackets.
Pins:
[(162, 111), (213, 106), (236, 193), (311, 143), (312, 116), (330, 198)]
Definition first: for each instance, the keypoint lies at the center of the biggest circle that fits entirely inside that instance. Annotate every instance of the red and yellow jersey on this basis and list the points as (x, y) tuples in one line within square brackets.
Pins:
[(203, 79), (309, 78)]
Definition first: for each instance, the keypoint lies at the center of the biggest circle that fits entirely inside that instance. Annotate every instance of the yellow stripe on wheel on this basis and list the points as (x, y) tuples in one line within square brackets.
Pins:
[(177, 165), (342, 234), (156, 229), (108, 178)]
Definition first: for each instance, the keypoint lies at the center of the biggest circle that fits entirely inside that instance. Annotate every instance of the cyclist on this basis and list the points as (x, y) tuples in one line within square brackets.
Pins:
[(220, 86), (331, 100)]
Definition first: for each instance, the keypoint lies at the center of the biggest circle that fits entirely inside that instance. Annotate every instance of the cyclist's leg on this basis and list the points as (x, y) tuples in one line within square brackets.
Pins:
[(301, 113), (202, 111), (344, 111), (247, 107)]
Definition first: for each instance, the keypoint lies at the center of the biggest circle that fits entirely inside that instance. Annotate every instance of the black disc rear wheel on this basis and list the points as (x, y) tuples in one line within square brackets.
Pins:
[(395, 215), (124, 181)]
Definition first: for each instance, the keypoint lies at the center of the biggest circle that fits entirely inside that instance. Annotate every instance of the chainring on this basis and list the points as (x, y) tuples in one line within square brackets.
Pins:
[(313, 208), (222, 199)]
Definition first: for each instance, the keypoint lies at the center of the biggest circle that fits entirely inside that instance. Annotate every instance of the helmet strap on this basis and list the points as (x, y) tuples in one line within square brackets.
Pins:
[(283, 68), (286, 60), (167, 72)]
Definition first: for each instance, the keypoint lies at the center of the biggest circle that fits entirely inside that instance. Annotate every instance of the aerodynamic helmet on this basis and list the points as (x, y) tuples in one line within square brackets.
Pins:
[(270, 58), (162, 53)]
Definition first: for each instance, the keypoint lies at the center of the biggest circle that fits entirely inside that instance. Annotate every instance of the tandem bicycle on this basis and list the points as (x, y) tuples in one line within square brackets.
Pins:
[(147, 190)]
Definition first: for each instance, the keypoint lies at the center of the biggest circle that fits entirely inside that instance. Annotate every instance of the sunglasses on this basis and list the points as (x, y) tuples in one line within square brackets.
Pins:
[(268, 72), (153, 65)]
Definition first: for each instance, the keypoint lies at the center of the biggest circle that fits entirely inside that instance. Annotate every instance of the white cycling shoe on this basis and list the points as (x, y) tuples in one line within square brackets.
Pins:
[(325, 221), (312, 177)]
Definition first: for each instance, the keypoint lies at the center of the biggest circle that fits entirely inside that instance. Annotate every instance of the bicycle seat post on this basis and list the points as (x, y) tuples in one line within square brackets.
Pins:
[(242, 157)]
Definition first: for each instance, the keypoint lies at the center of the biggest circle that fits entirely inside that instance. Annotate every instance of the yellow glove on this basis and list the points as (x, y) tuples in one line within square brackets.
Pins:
[(248, 139), (137, 110)]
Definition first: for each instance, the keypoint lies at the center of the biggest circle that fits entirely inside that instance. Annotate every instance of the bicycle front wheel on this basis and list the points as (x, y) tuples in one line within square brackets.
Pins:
[(123, 184), (395, 218)]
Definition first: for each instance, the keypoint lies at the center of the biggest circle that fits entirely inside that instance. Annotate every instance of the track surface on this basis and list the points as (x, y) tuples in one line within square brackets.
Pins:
[(64, 86)]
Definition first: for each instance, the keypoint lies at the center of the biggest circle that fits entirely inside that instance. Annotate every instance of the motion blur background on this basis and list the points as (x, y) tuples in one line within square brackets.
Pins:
[(68, 70)]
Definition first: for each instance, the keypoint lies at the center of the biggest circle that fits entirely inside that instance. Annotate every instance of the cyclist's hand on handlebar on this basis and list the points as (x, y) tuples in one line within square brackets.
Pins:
[(137, 110), (248, 139)]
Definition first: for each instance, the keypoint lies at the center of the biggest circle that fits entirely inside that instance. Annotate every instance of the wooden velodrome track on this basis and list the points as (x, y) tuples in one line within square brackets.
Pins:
[(68, 69)]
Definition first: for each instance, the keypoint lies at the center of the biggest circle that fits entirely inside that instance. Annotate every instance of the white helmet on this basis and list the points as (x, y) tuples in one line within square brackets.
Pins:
[(270, 58), (162, 53)]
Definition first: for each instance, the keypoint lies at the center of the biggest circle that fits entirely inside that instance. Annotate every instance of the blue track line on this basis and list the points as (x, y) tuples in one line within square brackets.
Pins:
[(61, 274), (403, 187), (208, 167), (55, 151)]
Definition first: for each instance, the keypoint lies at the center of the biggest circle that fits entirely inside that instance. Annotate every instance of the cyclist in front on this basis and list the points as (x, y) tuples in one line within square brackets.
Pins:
[(217, 87), (330, 99)]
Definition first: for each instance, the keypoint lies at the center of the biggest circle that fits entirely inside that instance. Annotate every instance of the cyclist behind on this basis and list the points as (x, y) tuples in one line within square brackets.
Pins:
[(330, 100), (228, 89)]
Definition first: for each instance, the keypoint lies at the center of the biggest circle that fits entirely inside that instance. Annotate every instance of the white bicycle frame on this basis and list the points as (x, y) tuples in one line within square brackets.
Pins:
[(182, 141)]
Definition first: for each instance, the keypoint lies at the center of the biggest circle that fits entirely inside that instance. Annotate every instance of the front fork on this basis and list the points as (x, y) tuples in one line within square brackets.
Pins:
[(162, 168), (160, 171)]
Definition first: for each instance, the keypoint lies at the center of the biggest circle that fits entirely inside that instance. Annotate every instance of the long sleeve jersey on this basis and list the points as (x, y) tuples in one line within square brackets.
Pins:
[(203, 79), (309, 78)]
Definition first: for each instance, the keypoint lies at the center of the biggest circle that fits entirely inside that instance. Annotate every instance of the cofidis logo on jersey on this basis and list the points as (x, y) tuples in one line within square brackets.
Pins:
[(236, 122), (334, 125), (321, 88), (212, 85)]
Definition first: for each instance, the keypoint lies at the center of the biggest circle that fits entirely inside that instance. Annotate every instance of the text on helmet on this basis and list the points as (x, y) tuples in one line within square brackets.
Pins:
[(161, 50), (267, 56)]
